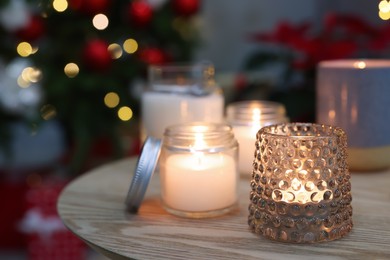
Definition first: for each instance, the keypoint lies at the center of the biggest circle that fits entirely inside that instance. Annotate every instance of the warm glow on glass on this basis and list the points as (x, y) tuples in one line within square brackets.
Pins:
[(111, 99), (130, 46), (359, 64), (48, 111), (256, 115), (125, 113), (300, 193), (332, 114), (199, 141), (71, 70), (24, 49), (115, 50), (60, 5), (100, 21)]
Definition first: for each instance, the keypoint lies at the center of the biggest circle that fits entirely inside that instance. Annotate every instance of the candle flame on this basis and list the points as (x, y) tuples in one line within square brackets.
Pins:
[(359, 64), (256, 115), (199, 141), (302, 192)]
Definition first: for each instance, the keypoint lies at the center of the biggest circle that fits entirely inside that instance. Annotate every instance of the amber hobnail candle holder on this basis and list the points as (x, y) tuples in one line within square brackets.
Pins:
[(300, 187)]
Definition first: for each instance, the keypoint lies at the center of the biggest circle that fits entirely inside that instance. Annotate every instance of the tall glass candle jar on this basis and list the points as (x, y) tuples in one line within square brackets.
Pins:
[(246, 118), (198, 169), (180, 94)]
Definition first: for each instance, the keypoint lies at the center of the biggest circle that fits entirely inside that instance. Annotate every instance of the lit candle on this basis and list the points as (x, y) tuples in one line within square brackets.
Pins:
[(246, 118), (198, 169), (301, 190), (246, 137), (200, 182)]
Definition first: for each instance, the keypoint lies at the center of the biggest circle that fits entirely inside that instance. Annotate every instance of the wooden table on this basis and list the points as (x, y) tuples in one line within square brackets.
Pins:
[(93, 208)]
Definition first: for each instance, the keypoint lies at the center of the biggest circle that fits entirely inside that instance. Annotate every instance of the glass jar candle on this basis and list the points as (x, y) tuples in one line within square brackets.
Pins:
[(301, 190), (246, 118), (180, 94), (198, 170)]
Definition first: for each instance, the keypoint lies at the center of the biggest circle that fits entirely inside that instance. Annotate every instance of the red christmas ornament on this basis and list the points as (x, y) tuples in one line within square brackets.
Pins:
[(90, 7), (152, 56), (96, 55), (33, 30), (140, 13), (186, 7)]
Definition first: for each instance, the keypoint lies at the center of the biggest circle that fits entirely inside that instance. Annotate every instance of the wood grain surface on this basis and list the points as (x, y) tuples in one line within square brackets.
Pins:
[(93, 208)]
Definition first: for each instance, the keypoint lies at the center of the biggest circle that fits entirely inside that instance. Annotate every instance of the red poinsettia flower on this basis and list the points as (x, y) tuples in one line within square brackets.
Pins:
[(284, 33), (342, 36)]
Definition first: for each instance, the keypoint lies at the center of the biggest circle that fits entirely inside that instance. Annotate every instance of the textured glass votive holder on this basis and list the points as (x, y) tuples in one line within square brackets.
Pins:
[(300, 187)]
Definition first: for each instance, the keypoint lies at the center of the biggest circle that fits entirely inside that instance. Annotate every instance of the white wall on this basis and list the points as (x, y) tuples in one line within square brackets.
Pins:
[(226, 24)]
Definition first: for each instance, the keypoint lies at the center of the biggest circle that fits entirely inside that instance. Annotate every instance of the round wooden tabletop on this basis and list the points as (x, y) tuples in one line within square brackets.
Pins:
[(92, 206)]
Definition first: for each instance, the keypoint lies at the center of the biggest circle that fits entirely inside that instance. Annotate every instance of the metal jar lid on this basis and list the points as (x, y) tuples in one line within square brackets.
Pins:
[(144, 170)]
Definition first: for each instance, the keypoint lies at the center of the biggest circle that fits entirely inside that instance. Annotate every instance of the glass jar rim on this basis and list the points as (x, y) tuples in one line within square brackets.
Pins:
[(195, 79), (355, 64), (328, 132), (243, 111), (217, 136)]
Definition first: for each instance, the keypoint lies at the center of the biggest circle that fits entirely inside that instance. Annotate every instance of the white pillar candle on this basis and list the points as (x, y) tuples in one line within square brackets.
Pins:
[(162, 109), (246, 137), (247, 118), (199, 182)]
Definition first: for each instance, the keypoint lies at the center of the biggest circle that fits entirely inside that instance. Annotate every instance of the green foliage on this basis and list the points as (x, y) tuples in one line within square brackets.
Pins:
[(78, 101)]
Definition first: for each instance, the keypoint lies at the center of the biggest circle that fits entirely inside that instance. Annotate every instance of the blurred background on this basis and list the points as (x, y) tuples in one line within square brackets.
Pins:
[(72, 72)]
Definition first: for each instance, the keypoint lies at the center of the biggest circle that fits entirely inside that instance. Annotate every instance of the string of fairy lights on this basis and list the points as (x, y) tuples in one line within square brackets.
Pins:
[(32, 75)]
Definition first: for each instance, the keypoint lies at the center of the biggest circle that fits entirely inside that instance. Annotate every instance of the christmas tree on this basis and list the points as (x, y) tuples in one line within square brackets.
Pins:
[(78, 61)]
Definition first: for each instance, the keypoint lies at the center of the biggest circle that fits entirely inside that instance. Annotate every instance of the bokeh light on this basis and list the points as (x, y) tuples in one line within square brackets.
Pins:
[(111, 99), (100, 21), (71, 70), (22, 82), (125, 113), (115, 50), (359, 64), (48, 111), (130, 46), (60, 5), (31, 74), (24, 49), (384, 10), (384, 16)]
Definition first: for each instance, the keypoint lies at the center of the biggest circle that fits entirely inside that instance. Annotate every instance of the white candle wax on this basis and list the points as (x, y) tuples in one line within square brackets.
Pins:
[(199, 182), (246, 138), (162, 109)]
